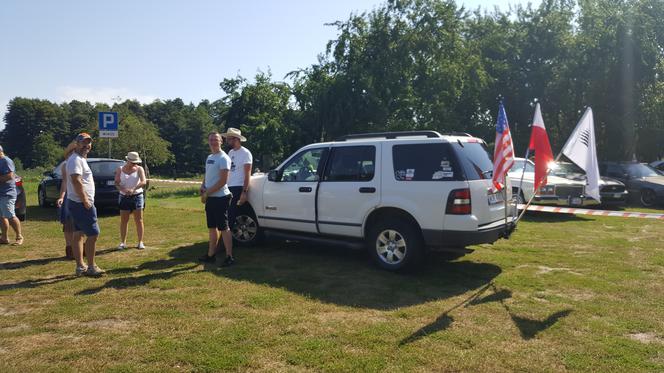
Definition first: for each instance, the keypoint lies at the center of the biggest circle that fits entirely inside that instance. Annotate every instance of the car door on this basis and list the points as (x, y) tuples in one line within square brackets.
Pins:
[(289, 200), (349, 190)]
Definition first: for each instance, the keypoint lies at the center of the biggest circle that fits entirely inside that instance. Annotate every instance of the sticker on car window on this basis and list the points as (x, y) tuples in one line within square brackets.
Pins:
[(444, 164), (400, 175), (410, 174)]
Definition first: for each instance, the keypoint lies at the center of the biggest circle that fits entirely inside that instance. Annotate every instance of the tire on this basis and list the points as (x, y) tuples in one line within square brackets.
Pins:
[(41, 196), (246, 231), (647, 198), (395, 245)]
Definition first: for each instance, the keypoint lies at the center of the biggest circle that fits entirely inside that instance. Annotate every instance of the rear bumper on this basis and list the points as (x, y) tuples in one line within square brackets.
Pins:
[(488, 233)]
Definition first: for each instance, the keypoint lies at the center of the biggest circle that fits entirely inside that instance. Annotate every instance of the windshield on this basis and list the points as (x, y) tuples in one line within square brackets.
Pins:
[(104, 168), (565, 169), (638, 170)]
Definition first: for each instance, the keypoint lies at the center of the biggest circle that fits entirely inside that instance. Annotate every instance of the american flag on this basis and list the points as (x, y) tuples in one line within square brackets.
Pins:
[(503, 155)]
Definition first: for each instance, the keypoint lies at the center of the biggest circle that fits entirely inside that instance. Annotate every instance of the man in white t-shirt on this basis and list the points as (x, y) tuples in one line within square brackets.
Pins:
[(238, 181), (216, 196), (80, 200)]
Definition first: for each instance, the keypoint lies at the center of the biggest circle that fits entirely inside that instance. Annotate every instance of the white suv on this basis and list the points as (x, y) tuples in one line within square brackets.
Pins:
[(396, 192)]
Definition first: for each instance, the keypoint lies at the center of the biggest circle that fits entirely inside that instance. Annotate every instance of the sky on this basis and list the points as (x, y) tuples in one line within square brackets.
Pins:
[(106, 51)]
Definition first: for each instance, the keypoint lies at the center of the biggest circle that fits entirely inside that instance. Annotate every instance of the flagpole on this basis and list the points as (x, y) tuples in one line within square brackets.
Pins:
[(523, 172), (530, 201)]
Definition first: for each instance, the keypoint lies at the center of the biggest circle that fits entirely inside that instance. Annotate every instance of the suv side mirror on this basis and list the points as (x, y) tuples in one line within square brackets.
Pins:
[(274, 175)]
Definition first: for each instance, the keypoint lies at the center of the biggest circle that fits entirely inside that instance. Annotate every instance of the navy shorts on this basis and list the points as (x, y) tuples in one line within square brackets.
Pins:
[(216, 212), (85, 220), (131, 203)]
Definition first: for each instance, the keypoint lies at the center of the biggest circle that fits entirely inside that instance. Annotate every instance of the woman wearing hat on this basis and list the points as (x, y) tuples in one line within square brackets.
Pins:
[(130, 180)]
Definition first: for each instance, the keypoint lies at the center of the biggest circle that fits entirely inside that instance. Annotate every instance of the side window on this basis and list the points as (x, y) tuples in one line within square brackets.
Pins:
[(351, 163), (304, 166), (425, 162)]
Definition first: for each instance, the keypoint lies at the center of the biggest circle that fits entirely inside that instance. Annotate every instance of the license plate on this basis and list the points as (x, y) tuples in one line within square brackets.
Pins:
[(576, 202), (110, 182), (495, 198), (617, 195)]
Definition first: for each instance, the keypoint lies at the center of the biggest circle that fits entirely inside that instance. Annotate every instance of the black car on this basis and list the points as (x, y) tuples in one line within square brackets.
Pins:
[(644, 183), (103, 172)]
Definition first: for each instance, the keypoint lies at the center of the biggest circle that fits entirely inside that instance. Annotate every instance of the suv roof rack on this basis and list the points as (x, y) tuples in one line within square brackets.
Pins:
[(390, 135), (464, 134)]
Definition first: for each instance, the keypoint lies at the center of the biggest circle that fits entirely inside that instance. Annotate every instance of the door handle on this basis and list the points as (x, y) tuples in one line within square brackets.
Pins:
[(367, 190), (305, 189)]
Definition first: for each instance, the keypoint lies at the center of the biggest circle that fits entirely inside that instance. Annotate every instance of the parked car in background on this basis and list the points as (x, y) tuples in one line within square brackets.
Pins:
[(20, 198), (103, 172), (644, 184), (611, 191), (559, 191), (658, 165)]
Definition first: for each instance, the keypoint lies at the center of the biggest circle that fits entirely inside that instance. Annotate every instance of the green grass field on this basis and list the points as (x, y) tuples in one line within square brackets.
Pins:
[(563, 294)]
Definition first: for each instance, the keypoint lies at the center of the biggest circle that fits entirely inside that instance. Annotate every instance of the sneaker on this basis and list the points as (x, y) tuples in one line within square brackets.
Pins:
[(94, 271), (140, 246), (122, 246), (229, 261), (207, 259), (80, 270)]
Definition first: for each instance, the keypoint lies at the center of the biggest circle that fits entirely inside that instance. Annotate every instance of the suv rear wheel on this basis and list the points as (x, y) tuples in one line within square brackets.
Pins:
[(395, 245), (41, 197)]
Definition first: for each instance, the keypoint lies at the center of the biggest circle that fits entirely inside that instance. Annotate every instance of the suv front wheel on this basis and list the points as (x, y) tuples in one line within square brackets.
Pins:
[(246, 230), (395, 245)]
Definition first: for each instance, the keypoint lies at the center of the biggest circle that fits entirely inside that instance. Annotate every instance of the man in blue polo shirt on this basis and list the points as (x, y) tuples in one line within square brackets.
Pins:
[(8, 200)]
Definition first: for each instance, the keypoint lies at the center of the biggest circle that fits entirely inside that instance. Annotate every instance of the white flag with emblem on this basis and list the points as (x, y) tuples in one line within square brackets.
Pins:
[(580, 148)]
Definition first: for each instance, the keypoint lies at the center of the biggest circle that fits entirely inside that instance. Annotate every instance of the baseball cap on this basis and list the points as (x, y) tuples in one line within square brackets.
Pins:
[(83, 136)]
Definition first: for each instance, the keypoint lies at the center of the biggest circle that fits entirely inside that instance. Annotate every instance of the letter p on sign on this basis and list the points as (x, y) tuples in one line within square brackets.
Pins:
[(108, 124)]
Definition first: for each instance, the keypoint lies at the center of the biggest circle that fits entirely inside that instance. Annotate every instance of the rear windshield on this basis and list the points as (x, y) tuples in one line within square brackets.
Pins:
[(475, 160), (425, 162), (104, 168)]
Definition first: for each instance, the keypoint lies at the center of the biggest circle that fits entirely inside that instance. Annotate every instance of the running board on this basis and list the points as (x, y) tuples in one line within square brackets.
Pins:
[(327, 241)]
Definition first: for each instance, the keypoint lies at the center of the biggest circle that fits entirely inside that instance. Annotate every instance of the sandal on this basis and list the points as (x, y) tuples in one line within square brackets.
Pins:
[(19, 241)]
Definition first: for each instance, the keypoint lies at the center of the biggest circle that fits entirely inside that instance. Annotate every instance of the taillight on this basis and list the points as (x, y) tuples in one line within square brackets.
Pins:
[(19, 182), (458, 202)]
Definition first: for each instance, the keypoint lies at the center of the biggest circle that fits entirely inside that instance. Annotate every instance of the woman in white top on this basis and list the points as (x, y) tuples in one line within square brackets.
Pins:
[(130, 180)]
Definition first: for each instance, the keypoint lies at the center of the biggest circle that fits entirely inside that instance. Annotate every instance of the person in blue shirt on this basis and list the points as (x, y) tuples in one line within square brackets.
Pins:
[(8, 195)]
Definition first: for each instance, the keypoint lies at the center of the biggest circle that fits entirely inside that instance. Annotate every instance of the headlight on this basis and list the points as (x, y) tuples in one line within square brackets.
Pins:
[(548, 189)]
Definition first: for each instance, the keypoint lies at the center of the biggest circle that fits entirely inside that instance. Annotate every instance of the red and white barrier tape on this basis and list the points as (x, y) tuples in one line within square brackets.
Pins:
[(571, 210), (175, 181)]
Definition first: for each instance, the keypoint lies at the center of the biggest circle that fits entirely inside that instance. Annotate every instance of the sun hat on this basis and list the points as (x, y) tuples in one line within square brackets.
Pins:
[(234, 132), (83, 136), (133, 157)]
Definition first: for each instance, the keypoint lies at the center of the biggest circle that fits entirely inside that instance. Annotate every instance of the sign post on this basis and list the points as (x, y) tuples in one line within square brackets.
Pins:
[(108, 127)]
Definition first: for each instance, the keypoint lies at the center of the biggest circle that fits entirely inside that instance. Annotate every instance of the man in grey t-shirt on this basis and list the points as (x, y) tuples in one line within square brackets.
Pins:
[(216, 196), (81, 199)]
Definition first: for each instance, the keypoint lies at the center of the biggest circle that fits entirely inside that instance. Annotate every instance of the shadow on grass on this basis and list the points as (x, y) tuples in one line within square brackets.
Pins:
[(328, 274), (45, 261), (548, 217), (29, 284), (37, 213), (528, 328)]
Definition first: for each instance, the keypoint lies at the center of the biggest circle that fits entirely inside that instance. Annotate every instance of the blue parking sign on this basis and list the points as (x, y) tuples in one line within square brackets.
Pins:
[(108, 124)]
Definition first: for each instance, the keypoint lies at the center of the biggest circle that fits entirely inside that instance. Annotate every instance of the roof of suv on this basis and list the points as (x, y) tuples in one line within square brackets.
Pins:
[(404, 136)]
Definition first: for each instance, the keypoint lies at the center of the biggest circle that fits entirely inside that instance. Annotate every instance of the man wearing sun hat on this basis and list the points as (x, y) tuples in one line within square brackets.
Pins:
[(80, 199), (238, 180), (8, 195)]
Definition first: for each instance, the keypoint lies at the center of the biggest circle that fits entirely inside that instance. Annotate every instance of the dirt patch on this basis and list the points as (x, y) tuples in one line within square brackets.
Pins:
[(646, 338), (105, 324), (15, 328), (543, 270)]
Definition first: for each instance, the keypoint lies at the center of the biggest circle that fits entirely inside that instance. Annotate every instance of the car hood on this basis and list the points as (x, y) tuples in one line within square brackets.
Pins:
[(656, 180), (550, 180)]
